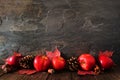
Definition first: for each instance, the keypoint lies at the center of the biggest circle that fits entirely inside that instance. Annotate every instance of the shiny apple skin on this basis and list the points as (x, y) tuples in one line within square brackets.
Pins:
[(86, 61), (41, 63), (106, 62), (58, 63)]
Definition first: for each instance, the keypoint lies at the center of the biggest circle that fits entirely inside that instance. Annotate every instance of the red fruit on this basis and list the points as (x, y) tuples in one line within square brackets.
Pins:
[(41, 63), (13, 60), (51, 54), (58, 63), (105, 61), (86, 61)]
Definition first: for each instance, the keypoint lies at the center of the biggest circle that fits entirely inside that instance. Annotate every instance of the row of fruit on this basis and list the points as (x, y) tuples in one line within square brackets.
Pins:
[(54, 60)]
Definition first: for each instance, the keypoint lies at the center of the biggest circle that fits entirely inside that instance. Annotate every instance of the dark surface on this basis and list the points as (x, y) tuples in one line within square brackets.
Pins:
[(113, 74), (74, 26)]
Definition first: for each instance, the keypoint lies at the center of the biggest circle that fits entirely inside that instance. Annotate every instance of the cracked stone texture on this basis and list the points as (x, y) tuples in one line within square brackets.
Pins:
[(74, 26)]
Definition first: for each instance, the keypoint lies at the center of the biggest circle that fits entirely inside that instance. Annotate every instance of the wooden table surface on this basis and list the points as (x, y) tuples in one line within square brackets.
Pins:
[(113, 74)]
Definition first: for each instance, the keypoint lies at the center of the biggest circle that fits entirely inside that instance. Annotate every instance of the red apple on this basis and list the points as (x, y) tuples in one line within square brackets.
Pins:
[(41, 63), (86, 61), (105, 61), (58, 63), (14, 59)]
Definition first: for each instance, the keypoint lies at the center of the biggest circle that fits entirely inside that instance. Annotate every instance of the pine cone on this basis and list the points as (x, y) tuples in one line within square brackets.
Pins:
[(97, 70), (72, 64), (27, 62), (51, 71)]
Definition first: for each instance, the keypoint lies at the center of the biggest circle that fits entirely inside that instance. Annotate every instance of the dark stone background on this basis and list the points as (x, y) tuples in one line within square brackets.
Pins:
[(74, 26)]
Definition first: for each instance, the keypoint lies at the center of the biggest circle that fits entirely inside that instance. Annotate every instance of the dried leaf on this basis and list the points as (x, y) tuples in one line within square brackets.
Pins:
[(51, 54), (81, 72), (57, 52), (17, 54), (26, 71), (106, 53)]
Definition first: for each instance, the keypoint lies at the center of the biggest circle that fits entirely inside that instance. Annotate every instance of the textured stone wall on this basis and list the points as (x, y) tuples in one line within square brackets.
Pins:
[(74, 26)]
